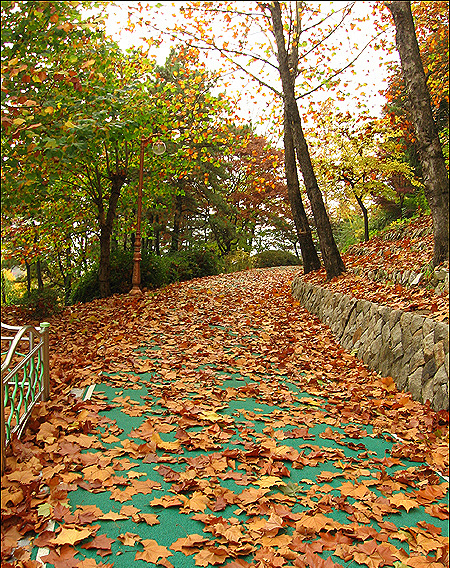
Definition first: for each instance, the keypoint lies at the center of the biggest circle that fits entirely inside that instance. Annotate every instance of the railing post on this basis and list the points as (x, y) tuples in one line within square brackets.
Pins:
[(2, 427), (45, 356)]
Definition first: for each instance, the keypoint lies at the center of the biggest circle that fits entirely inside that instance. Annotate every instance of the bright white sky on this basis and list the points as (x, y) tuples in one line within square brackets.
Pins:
[(368, 67)]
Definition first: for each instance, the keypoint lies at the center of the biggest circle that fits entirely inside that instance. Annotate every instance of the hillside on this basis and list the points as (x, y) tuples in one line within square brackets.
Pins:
[(394, 269)]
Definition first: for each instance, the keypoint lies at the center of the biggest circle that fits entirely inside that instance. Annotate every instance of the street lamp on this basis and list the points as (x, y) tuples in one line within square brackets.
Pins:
[(158, 148)]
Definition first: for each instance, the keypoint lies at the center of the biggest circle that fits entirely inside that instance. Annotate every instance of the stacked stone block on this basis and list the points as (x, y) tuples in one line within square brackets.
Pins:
[(412, 349)]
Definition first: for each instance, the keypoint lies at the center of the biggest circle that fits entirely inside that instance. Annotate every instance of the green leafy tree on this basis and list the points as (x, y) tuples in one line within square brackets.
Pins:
[(357, 159), (199, 132), (292, 46)]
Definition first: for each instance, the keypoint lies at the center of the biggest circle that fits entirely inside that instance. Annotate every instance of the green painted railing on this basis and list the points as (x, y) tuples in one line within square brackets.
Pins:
[(25, 377)]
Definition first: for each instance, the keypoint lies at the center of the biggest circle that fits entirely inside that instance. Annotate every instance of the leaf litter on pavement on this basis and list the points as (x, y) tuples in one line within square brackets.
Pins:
[(226, 428)]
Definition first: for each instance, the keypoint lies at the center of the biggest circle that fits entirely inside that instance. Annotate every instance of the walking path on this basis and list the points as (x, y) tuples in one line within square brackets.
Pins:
[(237, 433)]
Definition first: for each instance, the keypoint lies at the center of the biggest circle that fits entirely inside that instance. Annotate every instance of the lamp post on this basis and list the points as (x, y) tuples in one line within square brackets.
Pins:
[(158, 148)]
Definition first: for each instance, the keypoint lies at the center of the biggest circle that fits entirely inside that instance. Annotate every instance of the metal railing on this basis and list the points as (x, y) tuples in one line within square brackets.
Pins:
[(25, 377)]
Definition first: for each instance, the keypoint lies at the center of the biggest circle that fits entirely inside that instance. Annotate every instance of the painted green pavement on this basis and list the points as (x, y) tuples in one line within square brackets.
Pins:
[(204, 464), (228, 428)]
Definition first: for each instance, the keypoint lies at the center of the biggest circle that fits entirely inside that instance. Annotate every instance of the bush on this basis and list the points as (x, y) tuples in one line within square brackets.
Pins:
[(86, 289), (381, 219), (270, 258), (156, 271), (41, 303), (154, 274), (196, 263), (349, 232)]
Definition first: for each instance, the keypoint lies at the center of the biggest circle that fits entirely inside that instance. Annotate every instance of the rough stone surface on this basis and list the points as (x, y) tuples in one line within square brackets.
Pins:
[(415, 281), (415, 384), (412, 349)]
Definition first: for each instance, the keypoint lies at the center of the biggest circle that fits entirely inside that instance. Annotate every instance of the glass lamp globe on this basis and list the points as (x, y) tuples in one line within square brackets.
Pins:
[(159, 148)]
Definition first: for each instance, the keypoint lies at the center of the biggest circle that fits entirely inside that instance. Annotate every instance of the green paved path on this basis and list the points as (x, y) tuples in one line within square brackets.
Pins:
[(239, 434)]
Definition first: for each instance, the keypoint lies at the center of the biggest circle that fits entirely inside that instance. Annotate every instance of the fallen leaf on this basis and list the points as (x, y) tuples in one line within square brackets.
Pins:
[(152, 551), (129, 539), (71, 536), (211, 555), (402, 500)]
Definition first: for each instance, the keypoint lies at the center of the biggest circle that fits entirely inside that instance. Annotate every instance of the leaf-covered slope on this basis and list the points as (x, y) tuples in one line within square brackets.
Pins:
[(394, 252)]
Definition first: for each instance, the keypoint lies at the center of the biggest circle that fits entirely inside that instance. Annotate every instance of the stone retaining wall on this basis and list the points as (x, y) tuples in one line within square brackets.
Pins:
[(438, 279), (412, 349)]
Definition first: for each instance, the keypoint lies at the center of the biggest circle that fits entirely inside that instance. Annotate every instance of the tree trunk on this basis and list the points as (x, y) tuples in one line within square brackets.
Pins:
[(105, 261), (365, 217), (3, 288), (430, 150), (156, 242), (106, 229), (40, 281), (332, 260), (67, 277), (177, 223), (28, 267), (310, 257)]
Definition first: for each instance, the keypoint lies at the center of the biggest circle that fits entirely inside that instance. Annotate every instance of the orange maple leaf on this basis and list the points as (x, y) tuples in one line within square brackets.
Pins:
[(149, 518), (315, 523), (152, 551), (423, 562), (166, 501), (374, 555), (402, 500), (198, 502), (129, 539), (112, 516), (439, 511), (191, 541), (213, 555), (71, 536), (129, 510)]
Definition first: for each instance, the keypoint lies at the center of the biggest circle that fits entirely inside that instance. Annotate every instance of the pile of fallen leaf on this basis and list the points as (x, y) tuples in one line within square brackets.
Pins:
[(187, 334), (392, 255)]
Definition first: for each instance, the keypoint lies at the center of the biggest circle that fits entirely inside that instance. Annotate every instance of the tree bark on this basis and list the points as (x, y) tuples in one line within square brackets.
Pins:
[(106, 229), (177, 223), (430, 150), (67, 277), (332, 260), (105, 262), (365, 217), (40, 281), (3, 288), (28, 268), (156, 239), (310, 257)]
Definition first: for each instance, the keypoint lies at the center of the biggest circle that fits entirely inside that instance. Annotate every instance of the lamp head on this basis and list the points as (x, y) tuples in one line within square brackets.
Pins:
[(159, 148)]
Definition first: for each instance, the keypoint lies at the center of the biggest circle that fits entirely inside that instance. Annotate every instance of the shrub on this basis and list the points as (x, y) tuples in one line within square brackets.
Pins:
[(156, 271), (41, 303), (270, 258), (86, 289), (196, 263), (349, 232)]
